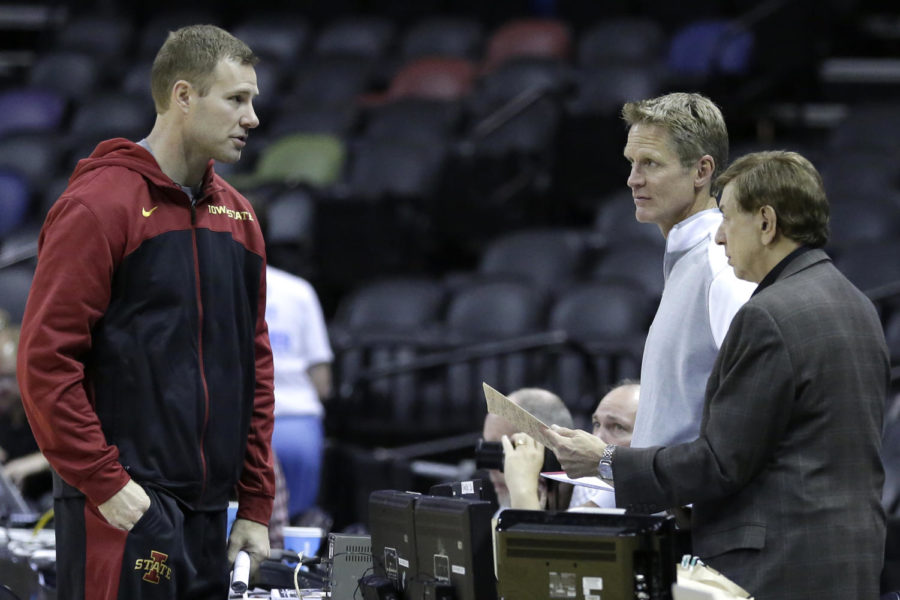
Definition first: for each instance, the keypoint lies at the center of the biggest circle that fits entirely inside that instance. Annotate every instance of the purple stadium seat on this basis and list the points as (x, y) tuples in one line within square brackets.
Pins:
[(30, 109)]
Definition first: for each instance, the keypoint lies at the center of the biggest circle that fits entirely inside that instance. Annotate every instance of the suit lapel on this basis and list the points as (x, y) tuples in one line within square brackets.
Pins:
[(804, 261)]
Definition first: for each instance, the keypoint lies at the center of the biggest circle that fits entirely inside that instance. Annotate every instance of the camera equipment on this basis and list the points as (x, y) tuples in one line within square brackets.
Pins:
[(489, 455)]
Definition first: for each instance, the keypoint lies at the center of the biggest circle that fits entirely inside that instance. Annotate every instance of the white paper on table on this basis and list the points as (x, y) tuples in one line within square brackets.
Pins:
[(591, 482)]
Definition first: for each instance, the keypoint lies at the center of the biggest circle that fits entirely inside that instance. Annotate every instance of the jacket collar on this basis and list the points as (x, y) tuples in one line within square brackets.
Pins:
[(800, 259), (128, 154)]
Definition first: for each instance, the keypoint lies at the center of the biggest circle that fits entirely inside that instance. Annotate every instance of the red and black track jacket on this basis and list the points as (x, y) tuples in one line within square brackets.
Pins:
[(144, 350)]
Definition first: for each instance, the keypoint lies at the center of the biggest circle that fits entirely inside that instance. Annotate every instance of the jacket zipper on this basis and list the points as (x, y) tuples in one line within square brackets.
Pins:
[(200, 344)]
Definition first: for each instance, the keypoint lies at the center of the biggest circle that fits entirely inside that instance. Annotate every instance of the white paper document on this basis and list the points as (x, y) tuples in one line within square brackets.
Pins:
[(591, 482)]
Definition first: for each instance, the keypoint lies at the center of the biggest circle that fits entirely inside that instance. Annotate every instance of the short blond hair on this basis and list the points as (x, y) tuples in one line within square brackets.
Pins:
[(192, 53), (787, 182), (694, 122)]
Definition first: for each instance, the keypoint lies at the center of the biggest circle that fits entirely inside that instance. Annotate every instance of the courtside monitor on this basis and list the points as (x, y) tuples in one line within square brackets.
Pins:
[(584, 556), (454, 546), (393, 529)]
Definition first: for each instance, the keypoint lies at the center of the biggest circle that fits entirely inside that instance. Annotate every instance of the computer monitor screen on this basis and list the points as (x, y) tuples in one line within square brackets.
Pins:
[(584, 555), (454, 545), (393, 530)]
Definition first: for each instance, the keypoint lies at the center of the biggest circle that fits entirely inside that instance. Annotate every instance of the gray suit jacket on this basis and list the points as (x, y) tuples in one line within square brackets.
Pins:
[(785, 477)]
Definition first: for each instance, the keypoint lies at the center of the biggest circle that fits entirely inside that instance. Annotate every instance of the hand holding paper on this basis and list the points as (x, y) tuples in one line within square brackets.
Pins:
[(578, 451)]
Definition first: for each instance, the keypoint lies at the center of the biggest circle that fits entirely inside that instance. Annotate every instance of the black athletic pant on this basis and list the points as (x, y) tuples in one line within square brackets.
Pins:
[(170, 554)]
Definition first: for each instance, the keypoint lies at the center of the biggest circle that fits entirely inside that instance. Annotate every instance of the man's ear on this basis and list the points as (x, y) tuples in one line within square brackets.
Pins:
[(706, 166), (768, 224), (181, 95)]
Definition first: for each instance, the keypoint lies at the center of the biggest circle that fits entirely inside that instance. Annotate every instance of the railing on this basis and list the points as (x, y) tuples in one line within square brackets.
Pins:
[(398, 390)]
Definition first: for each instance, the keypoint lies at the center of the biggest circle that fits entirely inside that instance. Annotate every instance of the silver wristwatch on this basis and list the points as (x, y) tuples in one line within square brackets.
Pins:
[(605, 470)]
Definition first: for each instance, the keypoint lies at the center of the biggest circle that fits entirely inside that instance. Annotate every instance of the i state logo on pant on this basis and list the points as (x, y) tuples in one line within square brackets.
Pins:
[(154, 567)]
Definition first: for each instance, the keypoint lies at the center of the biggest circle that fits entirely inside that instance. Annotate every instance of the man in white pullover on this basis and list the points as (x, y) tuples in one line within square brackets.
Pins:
[(676, 145)]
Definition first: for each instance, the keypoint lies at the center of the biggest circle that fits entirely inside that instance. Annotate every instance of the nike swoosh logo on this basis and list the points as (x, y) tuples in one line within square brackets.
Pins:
[(146, 212)]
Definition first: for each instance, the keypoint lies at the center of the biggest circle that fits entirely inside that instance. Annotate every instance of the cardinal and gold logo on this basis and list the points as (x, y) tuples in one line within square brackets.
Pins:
[(237, 215), (214, 209), (154, 568)]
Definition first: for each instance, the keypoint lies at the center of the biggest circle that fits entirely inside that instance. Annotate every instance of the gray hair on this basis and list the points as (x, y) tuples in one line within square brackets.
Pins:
[(694, 123)]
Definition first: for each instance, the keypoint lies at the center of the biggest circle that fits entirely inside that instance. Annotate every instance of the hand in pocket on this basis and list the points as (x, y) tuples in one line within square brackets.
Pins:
[(126, 507)]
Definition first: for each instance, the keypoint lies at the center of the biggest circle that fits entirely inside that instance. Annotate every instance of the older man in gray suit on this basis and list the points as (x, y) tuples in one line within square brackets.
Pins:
[(785, 478)]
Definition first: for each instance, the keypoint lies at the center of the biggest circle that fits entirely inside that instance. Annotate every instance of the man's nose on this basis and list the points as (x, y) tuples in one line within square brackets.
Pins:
[(250, 120), (634, 178)]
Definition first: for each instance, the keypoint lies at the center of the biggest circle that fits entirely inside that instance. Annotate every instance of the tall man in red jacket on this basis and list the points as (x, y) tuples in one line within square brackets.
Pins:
[(144, 360)]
